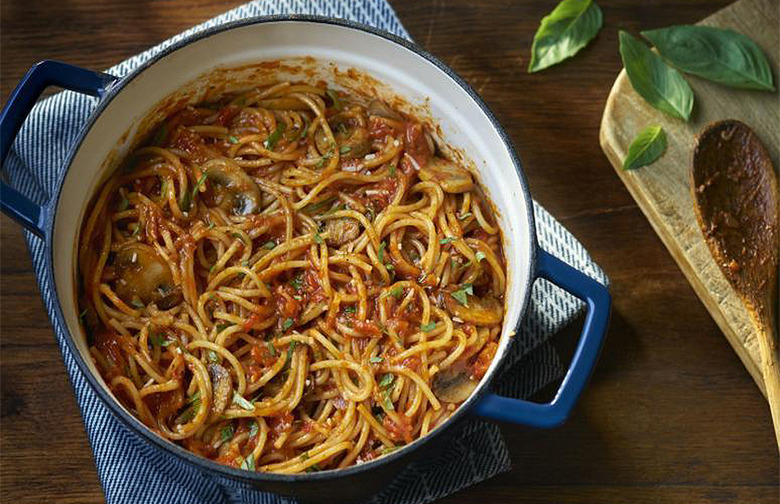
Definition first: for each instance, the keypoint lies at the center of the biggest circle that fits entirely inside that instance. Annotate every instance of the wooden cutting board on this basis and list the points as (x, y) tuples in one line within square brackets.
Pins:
[(662, 190)]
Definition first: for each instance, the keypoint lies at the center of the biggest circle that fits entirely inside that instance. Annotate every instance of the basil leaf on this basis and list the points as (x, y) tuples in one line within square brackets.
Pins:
[(660, 85), (715, 54), (563, 32), (648, 146)]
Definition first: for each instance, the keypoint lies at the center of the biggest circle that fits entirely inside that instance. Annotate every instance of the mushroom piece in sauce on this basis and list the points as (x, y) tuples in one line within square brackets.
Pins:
[(453, 178), (235, 189), (142, 275)]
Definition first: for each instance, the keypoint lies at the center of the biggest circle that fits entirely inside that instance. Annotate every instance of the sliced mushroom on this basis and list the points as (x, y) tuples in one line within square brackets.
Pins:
[(349, 130), (380, 109), (222, 388), (479, 310), (341, 231), (453, 385), (236, 190), (142, 275), (451, 177)]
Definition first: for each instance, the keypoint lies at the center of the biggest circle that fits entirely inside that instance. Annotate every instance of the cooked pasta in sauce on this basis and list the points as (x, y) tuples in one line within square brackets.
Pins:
[(291, 279)]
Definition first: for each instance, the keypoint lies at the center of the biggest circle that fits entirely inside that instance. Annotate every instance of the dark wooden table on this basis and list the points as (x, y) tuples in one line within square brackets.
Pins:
[(670, 414)]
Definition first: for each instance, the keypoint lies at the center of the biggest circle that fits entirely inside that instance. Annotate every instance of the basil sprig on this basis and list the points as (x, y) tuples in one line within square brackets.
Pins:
[(563, 32), (660, 85), (648, 146), (715, 54)]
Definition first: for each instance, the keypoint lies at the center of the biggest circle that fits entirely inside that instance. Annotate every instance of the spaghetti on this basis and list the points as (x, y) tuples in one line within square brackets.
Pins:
[(291, 279)]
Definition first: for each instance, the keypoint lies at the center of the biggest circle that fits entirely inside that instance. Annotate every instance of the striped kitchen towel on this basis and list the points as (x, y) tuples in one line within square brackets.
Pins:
[(129, 469)]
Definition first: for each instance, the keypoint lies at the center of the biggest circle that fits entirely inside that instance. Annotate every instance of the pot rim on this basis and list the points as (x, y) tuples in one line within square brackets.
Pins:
[(175, 450)]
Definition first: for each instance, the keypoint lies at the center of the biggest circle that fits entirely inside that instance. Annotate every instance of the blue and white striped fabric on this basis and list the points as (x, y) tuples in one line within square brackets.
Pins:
[(130, 471)]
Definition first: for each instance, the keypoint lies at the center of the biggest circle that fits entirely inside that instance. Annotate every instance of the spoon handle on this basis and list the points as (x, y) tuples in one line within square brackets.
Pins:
[(771, 371)]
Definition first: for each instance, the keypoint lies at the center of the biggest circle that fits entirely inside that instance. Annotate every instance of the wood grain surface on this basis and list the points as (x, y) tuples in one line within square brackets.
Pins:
[(663, 191), (670, 415)]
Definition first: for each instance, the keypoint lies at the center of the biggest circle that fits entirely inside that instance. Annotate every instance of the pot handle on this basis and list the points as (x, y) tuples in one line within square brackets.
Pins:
[(599, 303), (43, 74)]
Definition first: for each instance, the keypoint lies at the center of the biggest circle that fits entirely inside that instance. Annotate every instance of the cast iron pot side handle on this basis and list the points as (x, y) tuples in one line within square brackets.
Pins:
[(554, 413), (39, 77)]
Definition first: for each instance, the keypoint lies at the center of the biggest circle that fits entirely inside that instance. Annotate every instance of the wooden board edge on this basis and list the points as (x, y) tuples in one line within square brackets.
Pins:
[(669, 242)]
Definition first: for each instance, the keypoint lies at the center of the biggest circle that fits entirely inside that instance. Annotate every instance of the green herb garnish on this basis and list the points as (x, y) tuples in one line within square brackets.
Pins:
[(430, 326), (227, 433), (239, 400), (715, 54), (290, 350), (317, 238), (465, 216), (344, 149), (648, 146), (479, 255), (232, 139), (564, 32), (249, 463), (253, 429), (397, 291), (376, 360), (660, 85), (349, 310), (288, 323), (391, 171), (387, 380), (445, 241), (380, 255), (270, 244), (271, 348), (461, 294), (275, 136)]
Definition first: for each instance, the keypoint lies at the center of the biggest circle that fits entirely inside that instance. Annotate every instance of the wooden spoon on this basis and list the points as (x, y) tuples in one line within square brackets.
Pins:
[(735, 189)]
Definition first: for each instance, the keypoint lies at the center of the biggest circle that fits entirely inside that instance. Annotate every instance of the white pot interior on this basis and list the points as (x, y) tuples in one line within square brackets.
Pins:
[(228, 59)]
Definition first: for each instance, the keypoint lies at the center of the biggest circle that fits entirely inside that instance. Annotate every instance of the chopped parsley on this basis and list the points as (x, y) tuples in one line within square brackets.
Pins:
[(397, 291), (430, 326), (253, 429), (317, 238), (376, 360), (320, 205), (313, 468), (349, 310), (391, 171), (461, 294), (270, 244), (322, 161), (249, 463), (449, 239), (288, 323), (232, 139), (345, 149), (381, 253), (213, 356), (479, 255), (227, 433), (275, 136), (297, 282), (239, 400), (388, 449), (387, 380), (271, 348), (290, 350), (137, 303)]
